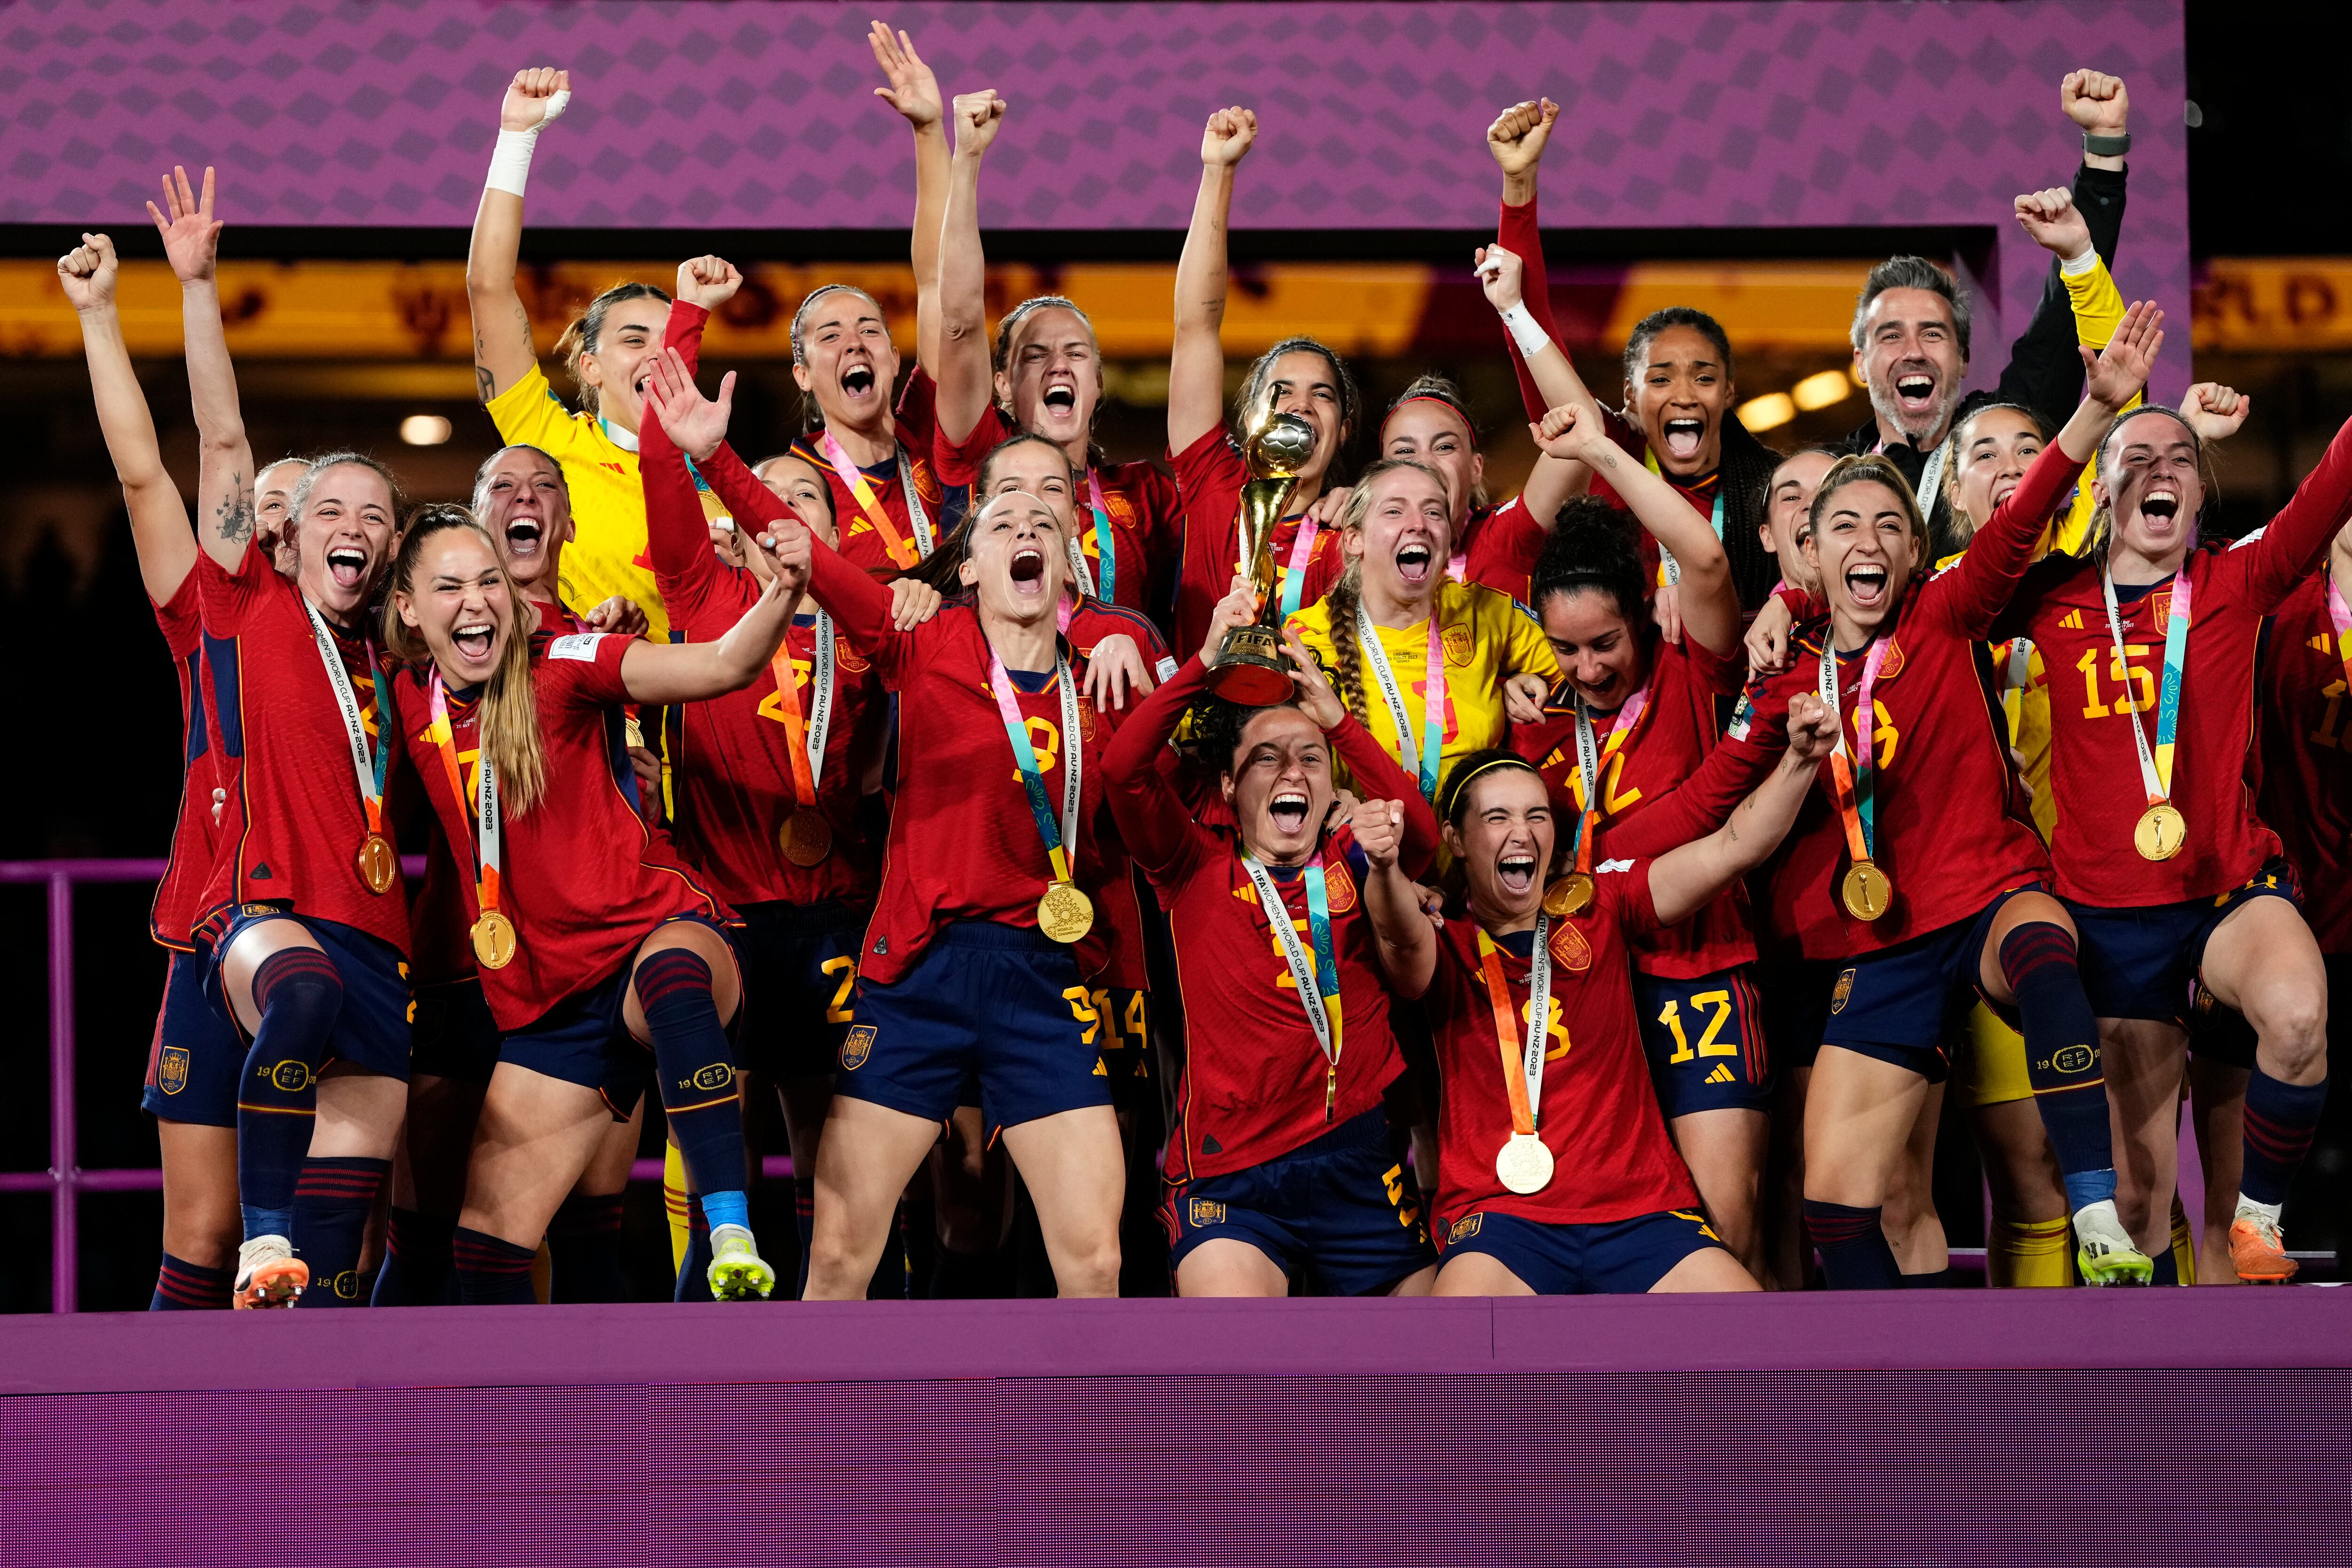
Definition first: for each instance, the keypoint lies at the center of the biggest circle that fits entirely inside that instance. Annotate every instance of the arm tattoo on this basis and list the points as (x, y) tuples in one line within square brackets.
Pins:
[(486, 387), (522, 325), (236, 513)]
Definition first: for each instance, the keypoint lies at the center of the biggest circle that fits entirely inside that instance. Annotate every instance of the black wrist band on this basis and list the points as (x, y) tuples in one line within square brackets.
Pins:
[(2106, 146)]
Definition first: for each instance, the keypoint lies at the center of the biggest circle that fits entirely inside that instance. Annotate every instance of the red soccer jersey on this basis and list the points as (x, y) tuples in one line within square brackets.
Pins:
[(2095, 778), (179, 897), (1145, 512), (861, 541), (584, 877), (1255, 1073), (1954, 829), (303, 822), (1669, 739), (731, 758), (963, 845), (1598, 1116), (1118, 906), (2306, 777), (1209, 476), (1500, 545)]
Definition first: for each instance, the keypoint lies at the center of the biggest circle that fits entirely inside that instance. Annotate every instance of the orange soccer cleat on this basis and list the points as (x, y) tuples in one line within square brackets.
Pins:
[(267, 1274), (2258, 1253)]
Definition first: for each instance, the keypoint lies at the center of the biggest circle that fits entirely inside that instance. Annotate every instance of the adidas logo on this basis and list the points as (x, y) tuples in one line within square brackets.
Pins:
[(260, 872), (1722, 1073), (2071, 620), (1210, 1145)]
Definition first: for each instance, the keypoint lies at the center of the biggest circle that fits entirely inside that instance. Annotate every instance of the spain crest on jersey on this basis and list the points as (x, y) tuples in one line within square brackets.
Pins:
[(1338, 888), (1459, 644), (1569, 948)]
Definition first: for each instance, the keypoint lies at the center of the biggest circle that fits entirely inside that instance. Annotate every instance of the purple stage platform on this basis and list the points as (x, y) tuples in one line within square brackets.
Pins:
[(1947, 1428)]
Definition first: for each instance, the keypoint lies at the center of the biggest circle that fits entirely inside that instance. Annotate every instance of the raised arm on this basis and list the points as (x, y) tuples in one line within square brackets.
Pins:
[(1376, 773), (1196, 363), (959, 362), (159, 521), (225, 460), (1502, 274), (1709, 600), (1401, 931), (677, 538), (1517, 141), (1685, 880), (1153, 821), (2043, 371), (697, 671), (914, 93), (1704, 801), (503, 351)]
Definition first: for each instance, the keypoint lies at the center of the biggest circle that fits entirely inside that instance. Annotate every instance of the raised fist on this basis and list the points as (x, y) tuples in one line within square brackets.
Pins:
[(534, 97)]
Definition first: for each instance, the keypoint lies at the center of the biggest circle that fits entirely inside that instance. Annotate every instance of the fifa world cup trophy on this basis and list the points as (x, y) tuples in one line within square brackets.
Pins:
[(1249, 667)]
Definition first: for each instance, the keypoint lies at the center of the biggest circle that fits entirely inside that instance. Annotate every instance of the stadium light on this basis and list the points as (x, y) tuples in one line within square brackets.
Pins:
[(1821, 389), (1769, 412), (424, 430)]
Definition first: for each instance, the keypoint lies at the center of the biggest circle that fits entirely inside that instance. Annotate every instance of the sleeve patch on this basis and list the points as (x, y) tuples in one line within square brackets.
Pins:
[(580, 647), (1165, 669), (1607, 866)]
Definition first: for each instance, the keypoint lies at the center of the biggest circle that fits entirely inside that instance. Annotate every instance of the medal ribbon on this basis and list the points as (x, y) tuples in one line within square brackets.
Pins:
[(2339, 616), (1590, 752), (1423, 759), (1104, 550), (804, 737), (1294, 577), (2155, 769), (854, 477), (1852, 773), (1670, 568), (1062, 838), (488, 833), (1931, 476), (1322, 1012), (1523, 1056), (367, 766)]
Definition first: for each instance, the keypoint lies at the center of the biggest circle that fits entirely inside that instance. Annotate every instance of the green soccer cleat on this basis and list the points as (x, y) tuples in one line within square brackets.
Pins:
[(737, 1272), (2106, 1254)]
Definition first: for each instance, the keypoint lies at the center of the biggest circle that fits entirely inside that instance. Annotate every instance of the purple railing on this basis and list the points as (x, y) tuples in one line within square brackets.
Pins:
[(65, 1180)]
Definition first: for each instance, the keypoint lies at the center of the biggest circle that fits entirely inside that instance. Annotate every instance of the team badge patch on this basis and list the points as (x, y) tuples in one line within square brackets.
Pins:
[(848, 657), (2160, 605), (1463, 1229), (712, 1078), (171, 1070), (1338, 889), (1844, 990), (1085, 721), (1894, 665), (1206, 1212), (1458, 644), (856, 1046), (1569, 948), (290, 1076)]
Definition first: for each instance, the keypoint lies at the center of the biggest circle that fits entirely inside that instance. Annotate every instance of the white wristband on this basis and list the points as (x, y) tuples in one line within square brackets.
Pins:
[(1526, 330), (2075, 266), (510, 162)]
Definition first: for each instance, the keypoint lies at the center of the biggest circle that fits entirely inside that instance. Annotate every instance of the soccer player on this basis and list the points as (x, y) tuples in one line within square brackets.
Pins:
[(1559, 1178), (984, 940), (1936, 867), (1428, 663), (1045, 379), (1282, 1159), (1492, 544), (593, 940), (1296, 375), (1633, 717), (2192, 883), (195, 1060)]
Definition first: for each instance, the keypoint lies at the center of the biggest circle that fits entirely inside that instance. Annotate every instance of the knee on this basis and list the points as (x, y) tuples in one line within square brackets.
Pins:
[(2291, 1022)]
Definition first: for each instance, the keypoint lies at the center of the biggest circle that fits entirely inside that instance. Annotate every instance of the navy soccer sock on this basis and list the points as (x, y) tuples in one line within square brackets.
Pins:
[(2168, 1268), (491, 1272), (698, 1090), (1854, 1253), (2280, 1121), (2061, 1057), (185, 1286), (333, 1200), (299, 993), (584, 1248), (415, 1271)]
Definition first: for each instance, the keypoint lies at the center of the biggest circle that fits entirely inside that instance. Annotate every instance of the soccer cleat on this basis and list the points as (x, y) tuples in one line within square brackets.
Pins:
[(267, 1274), (2107, 1255), (2257, 1251), (737, 1272)]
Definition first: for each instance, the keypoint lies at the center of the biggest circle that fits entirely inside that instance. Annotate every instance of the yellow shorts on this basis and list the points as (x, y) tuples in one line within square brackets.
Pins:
[(1992, 1069)]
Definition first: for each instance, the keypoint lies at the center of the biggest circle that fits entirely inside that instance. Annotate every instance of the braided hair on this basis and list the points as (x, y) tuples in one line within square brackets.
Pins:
[(1347, 595)]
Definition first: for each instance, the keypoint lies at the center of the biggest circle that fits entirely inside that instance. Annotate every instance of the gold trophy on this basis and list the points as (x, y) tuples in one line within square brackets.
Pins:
[(1249, 667)]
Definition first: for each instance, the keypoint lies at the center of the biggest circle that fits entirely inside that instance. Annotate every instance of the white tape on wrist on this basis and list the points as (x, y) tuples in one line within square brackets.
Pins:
[(510, 161), (2075, 266), (1526, 330)]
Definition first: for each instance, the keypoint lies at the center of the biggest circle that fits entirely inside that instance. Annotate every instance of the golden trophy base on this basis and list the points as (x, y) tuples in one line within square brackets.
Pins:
[(1249, 668)]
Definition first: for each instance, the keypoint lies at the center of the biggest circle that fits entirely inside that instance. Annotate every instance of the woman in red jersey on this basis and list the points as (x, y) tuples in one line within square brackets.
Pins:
[(1492, 542), (1296, 375), (1634, 718), (593, 940), (985, 937), (2181, 879), (1557, 1176), (195, 1057), (1920, 870), (1045, 378), (1282, 1158)]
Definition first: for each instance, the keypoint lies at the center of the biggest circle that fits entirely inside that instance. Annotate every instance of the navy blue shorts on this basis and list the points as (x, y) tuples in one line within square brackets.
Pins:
[(1901, 1004), (1705, 1040), (371, 1030), (585, 1040), (1341, 1204), (456, 1036), (1625, 1257), (1794, 1007), (1001, 1005), (196, 1057), (800, 981), (2138, 962)]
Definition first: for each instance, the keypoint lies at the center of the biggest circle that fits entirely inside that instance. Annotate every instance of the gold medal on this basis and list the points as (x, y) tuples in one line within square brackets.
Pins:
[(1524, 1163), (379, 867), (806, 836), (1571, 895), (494, 940), (1064, 914), (2160, 833), (1867, 891)]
